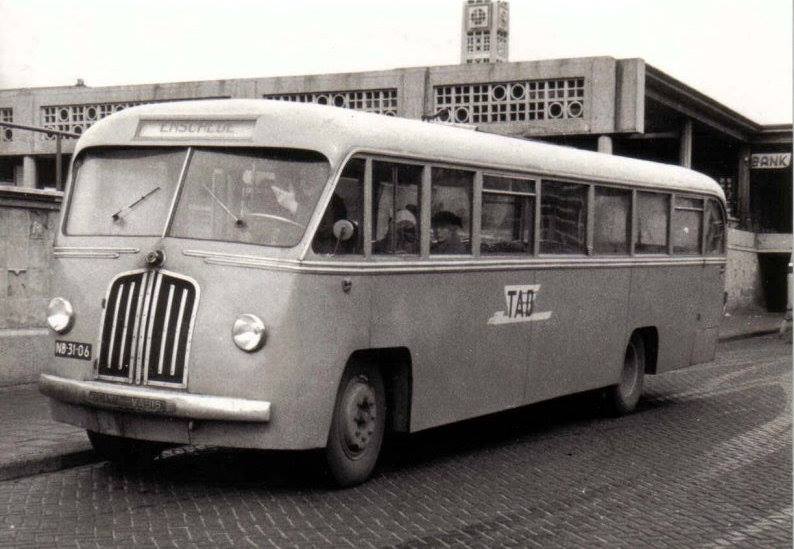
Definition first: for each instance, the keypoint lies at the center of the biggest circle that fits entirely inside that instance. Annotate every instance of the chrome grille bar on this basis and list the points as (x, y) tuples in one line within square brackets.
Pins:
[(179, 325), (115, 324), (126, 325), (167, 321), (149, 313)]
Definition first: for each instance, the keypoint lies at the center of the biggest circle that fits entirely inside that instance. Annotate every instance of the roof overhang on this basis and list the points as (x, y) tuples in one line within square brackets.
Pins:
[(674, 94)]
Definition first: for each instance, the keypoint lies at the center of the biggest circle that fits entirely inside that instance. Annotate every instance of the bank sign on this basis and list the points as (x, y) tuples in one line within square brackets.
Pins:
[(770, 161)]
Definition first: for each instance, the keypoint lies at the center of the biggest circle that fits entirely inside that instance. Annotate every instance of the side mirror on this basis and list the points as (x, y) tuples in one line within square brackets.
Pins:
[(343, 230)]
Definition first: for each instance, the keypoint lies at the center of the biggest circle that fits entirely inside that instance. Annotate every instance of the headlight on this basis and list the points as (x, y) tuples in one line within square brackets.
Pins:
[(60, 315), (248, 333)]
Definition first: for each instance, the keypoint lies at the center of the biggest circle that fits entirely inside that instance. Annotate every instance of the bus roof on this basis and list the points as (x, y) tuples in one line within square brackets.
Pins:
[(336, 132)]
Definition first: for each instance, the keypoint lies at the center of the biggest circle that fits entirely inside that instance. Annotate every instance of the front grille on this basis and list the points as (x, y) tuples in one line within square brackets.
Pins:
[(146, 328)]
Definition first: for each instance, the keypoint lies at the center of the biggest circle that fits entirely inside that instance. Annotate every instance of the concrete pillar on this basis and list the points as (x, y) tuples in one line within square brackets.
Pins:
[(743, 187), (605, 144), (685, 158), (29, 176)]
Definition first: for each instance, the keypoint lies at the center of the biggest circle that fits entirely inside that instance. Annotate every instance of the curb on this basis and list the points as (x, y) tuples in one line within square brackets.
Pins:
[(47, 464)]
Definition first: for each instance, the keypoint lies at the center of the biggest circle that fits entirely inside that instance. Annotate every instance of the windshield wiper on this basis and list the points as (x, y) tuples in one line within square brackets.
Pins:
[(117, 215), (237, 221)]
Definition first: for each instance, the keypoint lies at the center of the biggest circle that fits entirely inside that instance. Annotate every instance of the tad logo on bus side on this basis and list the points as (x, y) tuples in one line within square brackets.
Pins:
[(519, 305)]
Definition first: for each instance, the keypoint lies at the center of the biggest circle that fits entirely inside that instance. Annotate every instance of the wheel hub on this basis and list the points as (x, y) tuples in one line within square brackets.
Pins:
[(360, 418)]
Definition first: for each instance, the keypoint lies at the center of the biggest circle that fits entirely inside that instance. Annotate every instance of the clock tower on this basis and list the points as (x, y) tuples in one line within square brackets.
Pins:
[(485, 32)]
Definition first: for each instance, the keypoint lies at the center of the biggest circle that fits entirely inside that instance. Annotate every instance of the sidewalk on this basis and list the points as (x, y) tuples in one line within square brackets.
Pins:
[(32, 443)]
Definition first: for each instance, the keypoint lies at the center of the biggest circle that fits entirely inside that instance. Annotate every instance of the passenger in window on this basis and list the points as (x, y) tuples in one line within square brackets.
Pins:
[(325, 242), (445, 230), (404, 236)]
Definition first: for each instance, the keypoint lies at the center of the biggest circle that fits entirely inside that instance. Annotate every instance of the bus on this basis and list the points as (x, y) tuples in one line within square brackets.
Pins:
[(273, 275)]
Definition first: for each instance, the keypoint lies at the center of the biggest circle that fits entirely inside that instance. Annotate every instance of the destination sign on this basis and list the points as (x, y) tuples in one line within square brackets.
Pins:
[(770, 161), (196, 129)]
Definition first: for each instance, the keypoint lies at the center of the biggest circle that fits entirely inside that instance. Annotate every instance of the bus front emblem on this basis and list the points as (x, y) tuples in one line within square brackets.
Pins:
[(155, 258), (519, 305)]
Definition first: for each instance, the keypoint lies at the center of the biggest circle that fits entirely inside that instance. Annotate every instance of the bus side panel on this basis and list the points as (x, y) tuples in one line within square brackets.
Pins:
[(713, 285), (461, 367), (581, 345), (301, 364), (667, 298)]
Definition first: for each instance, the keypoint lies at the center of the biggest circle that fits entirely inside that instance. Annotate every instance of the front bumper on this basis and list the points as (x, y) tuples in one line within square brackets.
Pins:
[(157, 402)]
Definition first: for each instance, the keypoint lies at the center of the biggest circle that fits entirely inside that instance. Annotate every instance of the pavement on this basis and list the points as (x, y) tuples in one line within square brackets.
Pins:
[(32, 443)]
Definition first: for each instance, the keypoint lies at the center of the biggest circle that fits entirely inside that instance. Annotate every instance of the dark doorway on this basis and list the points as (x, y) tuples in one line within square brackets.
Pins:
[(774, 271)]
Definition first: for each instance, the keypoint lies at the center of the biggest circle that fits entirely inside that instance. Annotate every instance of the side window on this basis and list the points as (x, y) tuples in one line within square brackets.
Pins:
[(450, 210), (715, 228), (687, 221), (346, 203), (508, 216), (653, 212), (395, 208), (612, 221), (563, 218)]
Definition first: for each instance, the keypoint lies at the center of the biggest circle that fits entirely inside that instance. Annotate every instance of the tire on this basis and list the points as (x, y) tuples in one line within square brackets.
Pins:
[(357, 426), (125, 451), (624, 396)]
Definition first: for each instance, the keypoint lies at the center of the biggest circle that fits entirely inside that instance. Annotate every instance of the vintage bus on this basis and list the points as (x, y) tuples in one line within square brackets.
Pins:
[(265, 274)]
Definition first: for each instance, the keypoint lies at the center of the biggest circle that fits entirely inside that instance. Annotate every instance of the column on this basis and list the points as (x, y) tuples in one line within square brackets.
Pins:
[(685, 158), (605, 144), (743, 187), (29, 172)]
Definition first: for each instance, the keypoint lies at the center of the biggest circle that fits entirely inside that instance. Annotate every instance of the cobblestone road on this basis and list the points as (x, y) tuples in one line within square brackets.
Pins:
[(705, 461)]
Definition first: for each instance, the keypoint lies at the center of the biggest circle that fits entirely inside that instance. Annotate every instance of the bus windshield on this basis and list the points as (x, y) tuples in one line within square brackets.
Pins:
[(123, 192), (257, 196)]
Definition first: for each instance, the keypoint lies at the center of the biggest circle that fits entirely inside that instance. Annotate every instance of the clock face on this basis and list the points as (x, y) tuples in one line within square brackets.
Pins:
[(478, 17)]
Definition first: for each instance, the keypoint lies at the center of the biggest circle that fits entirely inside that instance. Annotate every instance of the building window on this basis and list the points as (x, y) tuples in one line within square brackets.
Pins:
[(6, 115), (376, 101), (517, 101)]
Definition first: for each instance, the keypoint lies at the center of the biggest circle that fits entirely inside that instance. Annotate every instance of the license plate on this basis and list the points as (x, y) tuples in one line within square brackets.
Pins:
[(73, 349)]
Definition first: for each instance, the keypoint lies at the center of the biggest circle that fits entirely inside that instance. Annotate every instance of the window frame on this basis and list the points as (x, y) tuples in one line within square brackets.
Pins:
[(533, 194), (537, 181)]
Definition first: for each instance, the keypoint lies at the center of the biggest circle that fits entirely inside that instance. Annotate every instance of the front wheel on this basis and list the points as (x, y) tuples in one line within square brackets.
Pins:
[(125, 451), (624, 396), (357, 426)]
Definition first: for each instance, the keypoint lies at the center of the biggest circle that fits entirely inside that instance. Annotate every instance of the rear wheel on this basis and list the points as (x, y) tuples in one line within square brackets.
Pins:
[(624, 396), (357, 427), (125, 451)]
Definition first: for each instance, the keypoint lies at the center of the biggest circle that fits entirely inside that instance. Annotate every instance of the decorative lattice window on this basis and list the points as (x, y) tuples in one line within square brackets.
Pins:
[(376, 101), (6, 115), (78, 118), (518, 101)]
